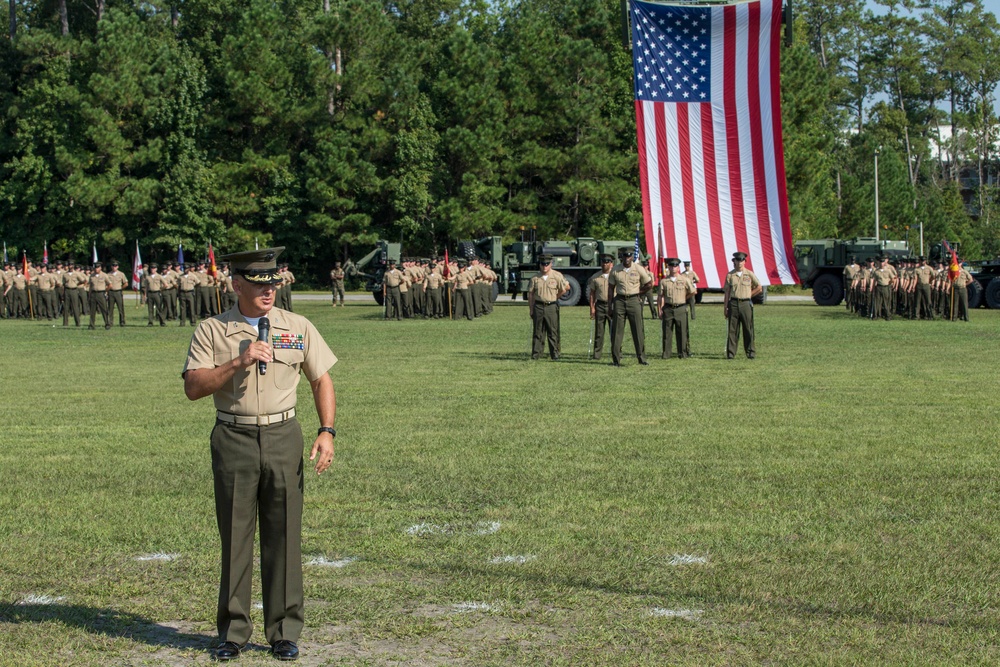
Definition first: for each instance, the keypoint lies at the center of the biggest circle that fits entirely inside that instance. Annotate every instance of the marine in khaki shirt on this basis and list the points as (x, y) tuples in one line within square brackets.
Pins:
[(257, 445), (740, 286), (544, 291)]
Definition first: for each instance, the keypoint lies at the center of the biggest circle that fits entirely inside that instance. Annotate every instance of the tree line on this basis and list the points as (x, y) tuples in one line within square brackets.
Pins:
[(323, 125)]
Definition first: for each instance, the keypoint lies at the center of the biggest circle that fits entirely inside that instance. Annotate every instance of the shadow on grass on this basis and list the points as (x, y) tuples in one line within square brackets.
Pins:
[(108, 622), (629, 360)]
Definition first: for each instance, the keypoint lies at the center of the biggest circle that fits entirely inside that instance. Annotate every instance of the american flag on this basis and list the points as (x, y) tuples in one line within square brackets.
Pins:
[(708, 117)]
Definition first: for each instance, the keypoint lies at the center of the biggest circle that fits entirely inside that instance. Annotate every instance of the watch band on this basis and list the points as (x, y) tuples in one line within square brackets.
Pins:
[(327, 429)]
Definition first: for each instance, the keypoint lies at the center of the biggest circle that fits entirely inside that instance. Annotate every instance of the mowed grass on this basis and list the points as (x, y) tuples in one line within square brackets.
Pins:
[(834, 501)]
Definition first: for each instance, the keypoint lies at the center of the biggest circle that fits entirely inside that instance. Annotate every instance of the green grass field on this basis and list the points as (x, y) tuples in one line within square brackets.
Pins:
[(834, 501)]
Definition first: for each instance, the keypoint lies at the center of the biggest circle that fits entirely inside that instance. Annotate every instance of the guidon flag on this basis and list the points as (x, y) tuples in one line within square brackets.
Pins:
[(708, 122)]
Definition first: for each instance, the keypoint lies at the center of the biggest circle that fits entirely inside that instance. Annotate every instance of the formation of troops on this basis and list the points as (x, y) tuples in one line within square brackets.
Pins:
[(914, 288), (432, 288), (618, 295), (170, 293)]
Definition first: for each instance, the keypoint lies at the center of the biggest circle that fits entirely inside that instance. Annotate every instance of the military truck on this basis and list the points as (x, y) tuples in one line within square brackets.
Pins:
[(821, 263), (517, 263), (372, 266)]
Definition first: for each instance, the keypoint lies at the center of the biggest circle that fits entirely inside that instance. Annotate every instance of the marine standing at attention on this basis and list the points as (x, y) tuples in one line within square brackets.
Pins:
[(741, 286), (544, 291), (675, 290), (627, 283), (600, 306), (257, 447)]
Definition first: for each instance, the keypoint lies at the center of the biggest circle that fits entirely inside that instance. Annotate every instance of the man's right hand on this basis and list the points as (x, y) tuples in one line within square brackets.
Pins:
[(257, 351)]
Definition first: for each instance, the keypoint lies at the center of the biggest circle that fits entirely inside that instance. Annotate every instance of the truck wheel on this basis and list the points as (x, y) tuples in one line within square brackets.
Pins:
[(992, 293), (572, 297), (975, 294), (379, 299), (761, 298), (466, 249), (827, 290)]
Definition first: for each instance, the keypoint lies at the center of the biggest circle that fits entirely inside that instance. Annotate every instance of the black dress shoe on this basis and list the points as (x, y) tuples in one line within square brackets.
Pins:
[(284, 649), (228, 651), (643, 363)]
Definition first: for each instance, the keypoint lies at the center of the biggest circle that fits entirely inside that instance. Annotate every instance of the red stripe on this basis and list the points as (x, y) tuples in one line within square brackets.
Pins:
[(779, 154), (687, 175), (666, 202), (732, 128), (770, 268), (640, 126), (712, 190)]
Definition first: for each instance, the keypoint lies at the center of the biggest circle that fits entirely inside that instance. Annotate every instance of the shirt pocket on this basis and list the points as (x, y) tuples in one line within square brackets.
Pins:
[(286, 367)]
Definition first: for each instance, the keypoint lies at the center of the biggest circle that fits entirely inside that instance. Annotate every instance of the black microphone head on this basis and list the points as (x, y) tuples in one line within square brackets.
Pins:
[(263, 324)]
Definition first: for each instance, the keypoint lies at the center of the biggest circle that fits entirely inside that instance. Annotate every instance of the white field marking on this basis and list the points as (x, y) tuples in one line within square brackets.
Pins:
[(258, 605), (511, 560), (466, 607), (40, 599), (481, 528), (158, 556), (487, 528), (426, 529), (686, 614), (687, 559), (322, 560)]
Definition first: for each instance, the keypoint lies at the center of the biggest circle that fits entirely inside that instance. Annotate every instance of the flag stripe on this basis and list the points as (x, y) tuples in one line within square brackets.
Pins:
[(707, 264), (712, 175), (786, 263)]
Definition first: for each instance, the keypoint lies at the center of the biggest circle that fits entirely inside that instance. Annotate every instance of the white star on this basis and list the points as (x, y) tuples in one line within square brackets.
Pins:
[(655, 93), (694, 86), (670, 93), (702, 79), (703, 96), (684, 78), (685, 62), (701, 62), (685, 95), (670, 78)]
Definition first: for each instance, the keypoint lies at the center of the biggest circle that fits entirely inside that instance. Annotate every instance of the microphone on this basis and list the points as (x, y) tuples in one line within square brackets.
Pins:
[(263, 333)]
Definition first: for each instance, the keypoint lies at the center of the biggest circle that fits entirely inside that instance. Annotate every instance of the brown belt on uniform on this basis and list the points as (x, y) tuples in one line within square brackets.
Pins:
[(547, 303), (626, 296), (254, 420), (677, 305)]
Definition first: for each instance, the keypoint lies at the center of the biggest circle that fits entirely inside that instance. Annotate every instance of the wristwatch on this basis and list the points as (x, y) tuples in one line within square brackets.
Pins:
[(327, 429)]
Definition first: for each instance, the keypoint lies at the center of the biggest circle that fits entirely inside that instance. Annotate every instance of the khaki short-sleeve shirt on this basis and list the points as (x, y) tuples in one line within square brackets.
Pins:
[(628, 282), (742, 284), (464, 279), (598, 286), (434, 280), (117, 280), (99, 282), (298, 347), (675, 292), (548, 290), (188, 282), (47, 281), (963, 279)]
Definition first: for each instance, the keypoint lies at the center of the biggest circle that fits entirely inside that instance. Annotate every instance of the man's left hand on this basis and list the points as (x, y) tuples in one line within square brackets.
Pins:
[(322, 452)]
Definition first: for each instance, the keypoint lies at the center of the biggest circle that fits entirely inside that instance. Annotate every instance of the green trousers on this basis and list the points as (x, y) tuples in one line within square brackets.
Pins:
[(115, 300), (546, 321), (186, 308), (675, 326), (602, 321), (258, 474), (740, 317), (627, 309), (99, 304)]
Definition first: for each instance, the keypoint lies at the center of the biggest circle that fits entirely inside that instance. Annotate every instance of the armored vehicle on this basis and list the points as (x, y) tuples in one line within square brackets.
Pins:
[(517, 263), (372, 266)]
